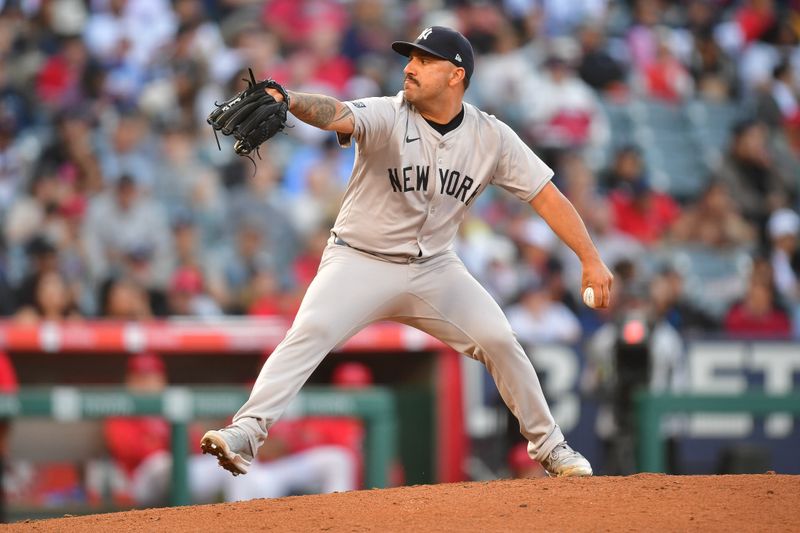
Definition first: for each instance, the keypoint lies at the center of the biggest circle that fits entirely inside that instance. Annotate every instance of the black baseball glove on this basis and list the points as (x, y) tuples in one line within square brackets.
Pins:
[(253, 116)]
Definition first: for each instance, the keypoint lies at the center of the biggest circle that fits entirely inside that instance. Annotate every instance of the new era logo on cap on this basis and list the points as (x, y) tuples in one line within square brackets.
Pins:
[(442, 42)]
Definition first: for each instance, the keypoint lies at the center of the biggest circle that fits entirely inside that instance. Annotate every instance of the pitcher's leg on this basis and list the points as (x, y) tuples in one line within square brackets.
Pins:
[(452, 306), (346, 295)]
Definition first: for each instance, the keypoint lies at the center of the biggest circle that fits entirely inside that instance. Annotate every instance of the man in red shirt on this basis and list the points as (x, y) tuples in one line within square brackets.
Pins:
[(642, 212), (757, 315), (140, 445)]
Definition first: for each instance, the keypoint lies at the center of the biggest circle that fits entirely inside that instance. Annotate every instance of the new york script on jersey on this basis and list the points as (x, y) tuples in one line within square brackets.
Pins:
[(451, 182)]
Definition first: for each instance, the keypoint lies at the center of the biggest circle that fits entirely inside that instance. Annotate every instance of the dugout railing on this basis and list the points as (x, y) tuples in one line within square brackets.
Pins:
[(181, 405)]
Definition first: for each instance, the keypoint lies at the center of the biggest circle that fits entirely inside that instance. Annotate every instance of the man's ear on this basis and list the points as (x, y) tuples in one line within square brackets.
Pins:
[(457, 76)]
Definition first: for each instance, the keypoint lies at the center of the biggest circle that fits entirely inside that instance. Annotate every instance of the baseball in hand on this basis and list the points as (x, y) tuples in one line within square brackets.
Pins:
[(588, 297)]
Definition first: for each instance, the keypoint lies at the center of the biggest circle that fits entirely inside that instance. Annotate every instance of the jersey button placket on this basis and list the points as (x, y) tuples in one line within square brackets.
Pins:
[(432, 201)]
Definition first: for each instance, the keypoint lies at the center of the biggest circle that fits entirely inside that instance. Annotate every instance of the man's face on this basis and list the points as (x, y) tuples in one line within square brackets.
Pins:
[(146, 382), (426, 76), (126, 195)]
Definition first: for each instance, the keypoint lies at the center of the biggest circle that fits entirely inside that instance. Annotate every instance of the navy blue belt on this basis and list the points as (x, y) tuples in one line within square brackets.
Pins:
[(341, 242)]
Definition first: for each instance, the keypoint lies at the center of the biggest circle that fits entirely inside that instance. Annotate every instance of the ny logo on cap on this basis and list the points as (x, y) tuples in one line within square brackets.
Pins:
[(425, 33)]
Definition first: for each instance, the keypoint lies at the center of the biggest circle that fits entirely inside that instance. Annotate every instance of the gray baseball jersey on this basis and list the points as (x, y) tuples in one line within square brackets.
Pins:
[(411, 186), (392, 259)]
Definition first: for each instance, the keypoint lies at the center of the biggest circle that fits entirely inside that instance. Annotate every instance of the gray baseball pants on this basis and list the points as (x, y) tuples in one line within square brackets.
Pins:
[(353, 289)]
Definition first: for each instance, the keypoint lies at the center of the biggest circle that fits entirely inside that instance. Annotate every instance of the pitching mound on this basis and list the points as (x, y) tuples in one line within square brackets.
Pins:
[(651, 502)]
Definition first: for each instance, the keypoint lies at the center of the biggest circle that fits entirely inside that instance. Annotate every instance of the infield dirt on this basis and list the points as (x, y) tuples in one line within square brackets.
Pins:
[(644, 502)]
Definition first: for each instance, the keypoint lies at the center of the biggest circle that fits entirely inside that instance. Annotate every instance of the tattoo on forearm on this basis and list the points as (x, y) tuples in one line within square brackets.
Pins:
[(319, 110), (345, 114)]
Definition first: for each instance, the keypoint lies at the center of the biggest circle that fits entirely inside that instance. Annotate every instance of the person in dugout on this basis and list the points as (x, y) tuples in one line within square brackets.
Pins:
[(140, 446)]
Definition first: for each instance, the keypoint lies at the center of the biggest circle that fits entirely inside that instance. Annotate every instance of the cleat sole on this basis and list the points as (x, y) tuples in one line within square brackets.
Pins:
[(213, 444)]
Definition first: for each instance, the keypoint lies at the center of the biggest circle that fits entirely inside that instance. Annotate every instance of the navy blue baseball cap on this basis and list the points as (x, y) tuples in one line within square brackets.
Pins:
[(442, 42)]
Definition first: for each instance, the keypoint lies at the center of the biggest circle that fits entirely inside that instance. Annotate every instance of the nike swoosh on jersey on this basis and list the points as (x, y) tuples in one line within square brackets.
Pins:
[(411, 140)]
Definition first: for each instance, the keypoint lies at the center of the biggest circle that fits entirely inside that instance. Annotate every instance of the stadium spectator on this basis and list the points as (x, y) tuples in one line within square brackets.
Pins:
[(125, 36), (536, 243), (125, 232), (490, 257), (775, 41), (266, 298), (13, 170), (140, 445), (314, 183), (638, 210), (295, 21), (665, 77), (59, 82), (187, 295), (563, 113), (539, 318), (257, 206), (127, 148), (713, 71), (121, 298), (578, 182), (233, 268), (201, 38), (785, 95), (52, 300), (187, 186), (71, 150), (36, 212), (189, 248), (6, 293), (758, 315), (644, 213), (642, 36), (671, 304), (42, 258), (625, 168), (712, 221), (757, 185), (597, 67), (783, 228), (503, 75), (13, 102)]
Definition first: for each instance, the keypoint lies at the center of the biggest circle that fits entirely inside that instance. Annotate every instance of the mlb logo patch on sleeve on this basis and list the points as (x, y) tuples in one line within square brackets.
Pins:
[(358, 103)]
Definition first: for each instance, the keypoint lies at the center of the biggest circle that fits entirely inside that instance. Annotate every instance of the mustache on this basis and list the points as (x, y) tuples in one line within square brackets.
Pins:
[(411, 79)]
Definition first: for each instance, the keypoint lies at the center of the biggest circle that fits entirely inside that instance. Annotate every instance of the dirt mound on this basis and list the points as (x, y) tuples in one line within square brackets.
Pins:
[(642, 502)]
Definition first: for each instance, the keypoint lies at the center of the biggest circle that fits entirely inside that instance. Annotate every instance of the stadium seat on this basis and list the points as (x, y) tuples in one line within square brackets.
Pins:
[(675, 157), (712, 123)]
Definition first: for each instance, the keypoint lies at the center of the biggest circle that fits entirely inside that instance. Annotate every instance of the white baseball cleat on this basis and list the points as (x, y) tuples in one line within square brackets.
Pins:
[(563, 461), (231, 448)]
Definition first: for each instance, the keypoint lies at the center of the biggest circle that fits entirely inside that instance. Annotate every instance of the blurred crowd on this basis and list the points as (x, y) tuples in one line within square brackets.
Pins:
[(674, 128)]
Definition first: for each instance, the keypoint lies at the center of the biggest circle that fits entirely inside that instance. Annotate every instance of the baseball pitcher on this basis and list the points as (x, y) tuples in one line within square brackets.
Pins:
[(422, 158)]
